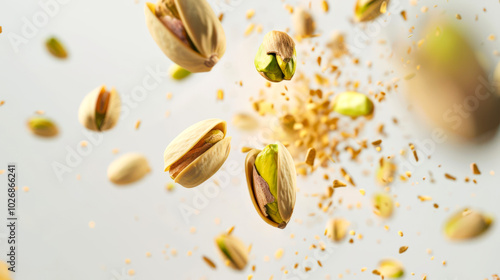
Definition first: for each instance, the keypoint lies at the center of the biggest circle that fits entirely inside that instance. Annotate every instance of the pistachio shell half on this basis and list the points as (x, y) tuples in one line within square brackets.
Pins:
[(100, 109), (336, 229), (383, 205), (188, 32), (391, 268), (197, 153), (367, 10), (353, 104), (233, 251), (271, 179), (276, 57), (42, 126), (128, 168), (467, 224)]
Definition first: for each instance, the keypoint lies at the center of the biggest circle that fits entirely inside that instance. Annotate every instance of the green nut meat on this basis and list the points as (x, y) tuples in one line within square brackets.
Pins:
[(276, 57), (42, 126), (353, 104), (233, 251), (177, 72)]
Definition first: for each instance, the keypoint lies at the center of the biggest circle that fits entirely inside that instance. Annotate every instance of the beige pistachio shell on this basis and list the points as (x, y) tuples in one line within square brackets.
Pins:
[(336, 229), (237, 251), (205, 165), (286, 184), (87, 111), (203, 28), (128, 169), (303, 23), (371, 12), (467, 224)]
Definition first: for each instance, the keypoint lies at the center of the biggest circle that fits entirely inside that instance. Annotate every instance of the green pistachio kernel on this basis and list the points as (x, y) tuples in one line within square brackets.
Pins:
[(177, 72), (353, 104)]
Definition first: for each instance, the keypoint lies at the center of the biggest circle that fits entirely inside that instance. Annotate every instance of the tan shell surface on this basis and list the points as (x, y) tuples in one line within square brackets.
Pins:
[(203, 28), (206, 165), (86, 112), (279, 43), (287, 182), (185, 141), (237, 250), (128, 168), (372, 12)]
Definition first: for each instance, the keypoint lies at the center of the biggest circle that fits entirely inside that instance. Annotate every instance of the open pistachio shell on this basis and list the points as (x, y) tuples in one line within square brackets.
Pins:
[(286, 184), (467, 224), (233, 251), (336, 229), (100, 109), (367, 10), (128, 169), (203, 29), (205, 165)]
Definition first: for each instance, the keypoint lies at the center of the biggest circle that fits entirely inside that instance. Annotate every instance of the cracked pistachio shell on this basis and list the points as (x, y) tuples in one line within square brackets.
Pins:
[(276, 58), (353, 104), (128, 169), (203, 29), (303, 23), (367, 10), (96, 101), (336, 229), (233, 251), (391, 269), (42, 126), (382, 205), (467, 224), (208, 163), (286, 184)]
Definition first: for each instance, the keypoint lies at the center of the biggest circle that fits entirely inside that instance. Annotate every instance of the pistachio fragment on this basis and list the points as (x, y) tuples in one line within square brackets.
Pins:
[(128, 169), (42, 126), (271, 179), (188, 32), (177, 72), (467, 224), (100, 109), (368, 10), (383, 205), (4, 271), (233, 251), (303, 23), (276, 57), (56, 48), (353, 104), (197, 153), (385, 172), (336, 229), (391, 269)]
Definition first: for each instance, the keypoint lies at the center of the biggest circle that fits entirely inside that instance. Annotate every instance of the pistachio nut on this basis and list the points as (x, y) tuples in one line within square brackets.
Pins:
[(382, 205), (56, 48), (197, 153), (303, 23), (42, 126), (4, 271), (245, 122), (353, 104), (128, 169), (276, 57), (467, 224), (368, 10), (233, 251), (188, 32), (177, 72), (100, 109), (385, 172), (271, 179), (336, 229), (391, 269)]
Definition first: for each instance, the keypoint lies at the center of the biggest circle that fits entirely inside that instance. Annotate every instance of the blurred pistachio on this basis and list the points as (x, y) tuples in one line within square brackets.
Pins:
[(303, 23), (128, 169), (391, 269), (276, 57), (383, 205), (4, 271), (56, 48), (385, 172), (353, 104), (245, 122), (100, 109), (367, 10), (336, 229), (188, 32), (177, 72), (42, 126), (467, 224), (233, 251)]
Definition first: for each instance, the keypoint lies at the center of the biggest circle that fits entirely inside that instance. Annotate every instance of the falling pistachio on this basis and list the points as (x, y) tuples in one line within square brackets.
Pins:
[(368, 10), (467, 224), (391, 269), (385, 172), (276, 57), (56, 48), (233, 251), (177, 72), (303, 23), (42, 126), (128, 169), (188, 32), (100, 109), (353, 104), (383, 205), (336, 229)]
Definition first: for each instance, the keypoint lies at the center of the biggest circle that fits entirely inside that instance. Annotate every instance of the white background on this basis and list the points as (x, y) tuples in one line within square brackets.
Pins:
[(108, 43)]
